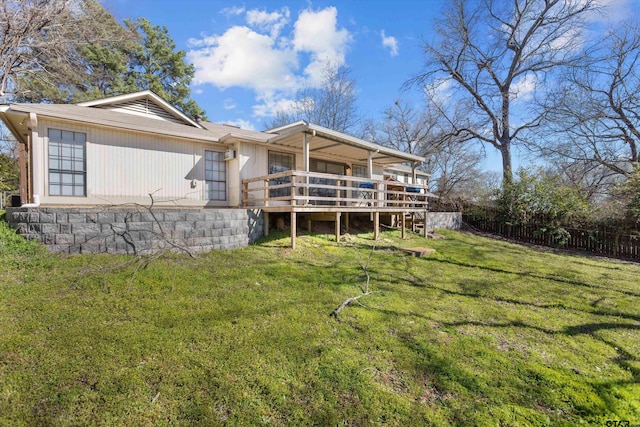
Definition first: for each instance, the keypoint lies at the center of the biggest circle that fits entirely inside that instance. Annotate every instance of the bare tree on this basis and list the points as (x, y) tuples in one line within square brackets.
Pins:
[(26, 27), (332, 104), (496, 52), (93, 64), (597, 110), (409, 129), (593, 180), (456, 174)]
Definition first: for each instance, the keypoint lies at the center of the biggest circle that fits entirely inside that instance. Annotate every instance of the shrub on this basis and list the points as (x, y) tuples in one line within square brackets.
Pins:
[(542, 199), (15, 244)]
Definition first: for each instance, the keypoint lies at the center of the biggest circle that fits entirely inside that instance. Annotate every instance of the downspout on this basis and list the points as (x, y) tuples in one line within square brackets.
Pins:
[(413, 173), (370, 170), (35, 204), (33, 124), (23, 148)]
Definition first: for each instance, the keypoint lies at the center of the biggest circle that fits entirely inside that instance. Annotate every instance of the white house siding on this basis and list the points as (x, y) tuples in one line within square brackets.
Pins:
[(125, 167)]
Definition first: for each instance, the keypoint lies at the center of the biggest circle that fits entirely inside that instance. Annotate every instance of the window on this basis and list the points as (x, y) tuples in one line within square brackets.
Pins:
[(67, 163), (329, 168), (280, 162), (215, 170), (359, 171)]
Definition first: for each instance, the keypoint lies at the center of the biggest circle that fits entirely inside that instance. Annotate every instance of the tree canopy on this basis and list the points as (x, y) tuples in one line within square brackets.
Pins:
[(491, 53), (74, 50)]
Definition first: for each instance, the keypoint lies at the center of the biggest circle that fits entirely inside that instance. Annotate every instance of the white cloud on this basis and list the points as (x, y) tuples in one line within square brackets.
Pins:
[(524, 88), (316, 32), (228, 104), (242, 124), (270, 103), (390, 42), (272, 22), (611, 10), (232, 11), (243, 57), (258, 57), (440, 91)]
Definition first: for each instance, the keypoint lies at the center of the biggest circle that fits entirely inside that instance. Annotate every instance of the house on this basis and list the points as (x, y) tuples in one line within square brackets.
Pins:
[(406, 175), (90, 171)]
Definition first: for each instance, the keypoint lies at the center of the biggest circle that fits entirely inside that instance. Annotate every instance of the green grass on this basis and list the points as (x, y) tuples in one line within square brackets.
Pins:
[(480, 333)]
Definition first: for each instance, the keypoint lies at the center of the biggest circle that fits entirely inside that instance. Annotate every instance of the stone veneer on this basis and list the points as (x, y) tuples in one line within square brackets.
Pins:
[(137, 230)]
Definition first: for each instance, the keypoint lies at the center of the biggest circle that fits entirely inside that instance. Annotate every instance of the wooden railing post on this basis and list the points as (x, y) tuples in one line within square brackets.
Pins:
[(292, 201), (266, 192), (245, 193)]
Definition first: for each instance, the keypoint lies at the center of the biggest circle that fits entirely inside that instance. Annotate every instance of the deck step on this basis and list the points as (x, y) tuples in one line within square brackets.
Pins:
[(418, 252)]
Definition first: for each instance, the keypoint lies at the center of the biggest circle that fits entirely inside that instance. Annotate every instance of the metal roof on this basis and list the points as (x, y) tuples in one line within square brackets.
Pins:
[(337, 144), (116, 112), (207, 132)]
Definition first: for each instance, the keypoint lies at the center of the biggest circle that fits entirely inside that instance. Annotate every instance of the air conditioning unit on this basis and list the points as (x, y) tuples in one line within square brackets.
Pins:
[(230, 154)]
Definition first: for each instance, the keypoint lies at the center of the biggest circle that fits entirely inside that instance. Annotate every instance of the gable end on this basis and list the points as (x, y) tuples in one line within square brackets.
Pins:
[(143, 107)]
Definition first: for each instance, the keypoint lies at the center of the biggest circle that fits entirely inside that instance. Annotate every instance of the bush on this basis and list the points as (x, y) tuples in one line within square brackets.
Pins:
[(13, 243), (629, 191), (536, 196)]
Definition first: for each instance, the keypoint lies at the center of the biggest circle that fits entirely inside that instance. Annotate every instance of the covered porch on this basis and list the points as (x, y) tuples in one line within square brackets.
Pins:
[(337, 196)]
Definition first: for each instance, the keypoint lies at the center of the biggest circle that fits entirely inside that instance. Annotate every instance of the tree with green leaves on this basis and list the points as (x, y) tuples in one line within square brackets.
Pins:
[(157, 65), (9, 172), (628, 192), (65, 51)]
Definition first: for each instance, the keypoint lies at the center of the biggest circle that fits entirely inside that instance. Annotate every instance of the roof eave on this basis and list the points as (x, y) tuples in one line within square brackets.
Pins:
[(23, 108)]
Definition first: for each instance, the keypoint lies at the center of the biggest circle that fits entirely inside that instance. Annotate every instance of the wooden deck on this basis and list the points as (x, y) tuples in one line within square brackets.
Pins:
[(297, 192)]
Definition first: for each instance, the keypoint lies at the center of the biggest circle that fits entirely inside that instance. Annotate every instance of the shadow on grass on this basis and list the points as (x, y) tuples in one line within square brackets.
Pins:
[(532, 275), (598, 330)]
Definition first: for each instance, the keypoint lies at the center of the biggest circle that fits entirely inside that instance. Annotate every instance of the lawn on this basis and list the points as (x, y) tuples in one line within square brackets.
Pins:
[(481, 332)]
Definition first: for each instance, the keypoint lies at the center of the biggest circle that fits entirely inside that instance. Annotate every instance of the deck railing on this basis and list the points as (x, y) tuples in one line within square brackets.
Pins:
[(314, 190)]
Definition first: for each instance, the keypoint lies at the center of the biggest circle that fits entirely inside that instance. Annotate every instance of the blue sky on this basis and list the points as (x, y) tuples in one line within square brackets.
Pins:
[(251, 56)]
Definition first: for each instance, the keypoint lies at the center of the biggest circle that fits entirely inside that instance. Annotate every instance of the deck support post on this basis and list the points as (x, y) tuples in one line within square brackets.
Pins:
[(346, 221), (293, 230), (338, 226), (265, 223), (426, 212), (403, 224), (376, 225)]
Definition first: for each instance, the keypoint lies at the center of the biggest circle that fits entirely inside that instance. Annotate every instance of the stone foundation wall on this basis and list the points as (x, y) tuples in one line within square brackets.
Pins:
[(444, 220), (137, 230)]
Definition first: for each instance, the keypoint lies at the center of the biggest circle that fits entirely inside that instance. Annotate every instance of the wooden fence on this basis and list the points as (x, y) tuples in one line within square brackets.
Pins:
[(597, 239)]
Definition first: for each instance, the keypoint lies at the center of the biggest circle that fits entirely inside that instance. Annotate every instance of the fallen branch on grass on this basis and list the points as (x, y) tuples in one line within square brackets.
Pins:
[(335, 313), (365, 292)]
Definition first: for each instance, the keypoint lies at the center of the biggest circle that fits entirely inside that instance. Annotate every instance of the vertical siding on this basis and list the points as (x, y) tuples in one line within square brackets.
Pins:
[(135, 164), (132, 165), (253, 160)]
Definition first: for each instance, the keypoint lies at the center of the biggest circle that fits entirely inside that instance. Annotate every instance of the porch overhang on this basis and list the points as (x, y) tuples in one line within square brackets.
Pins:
[(337, 145)]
